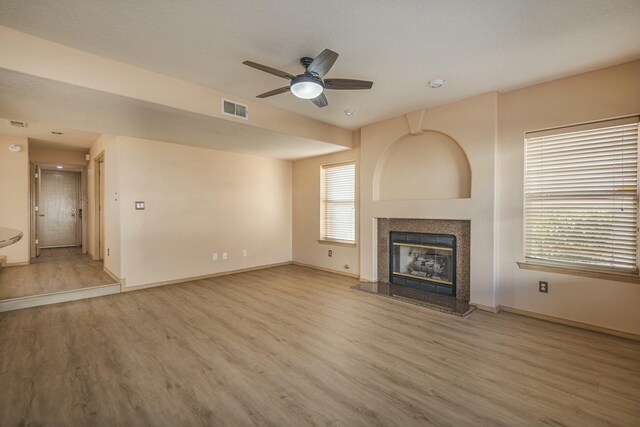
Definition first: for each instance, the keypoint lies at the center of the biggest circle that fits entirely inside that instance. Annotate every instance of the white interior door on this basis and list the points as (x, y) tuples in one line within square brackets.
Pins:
[(58, 211)]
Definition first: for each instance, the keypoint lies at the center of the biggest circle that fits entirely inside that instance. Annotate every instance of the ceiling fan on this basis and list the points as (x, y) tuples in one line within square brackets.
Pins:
[(310, 85)]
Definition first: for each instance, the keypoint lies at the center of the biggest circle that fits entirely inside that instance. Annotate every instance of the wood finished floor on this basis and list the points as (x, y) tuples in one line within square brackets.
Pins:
[(56, 270), (290, 346)]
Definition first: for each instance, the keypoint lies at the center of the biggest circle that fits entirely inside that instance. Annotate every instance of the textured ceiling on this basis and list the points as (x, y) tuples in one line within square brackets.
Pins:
[(38, 100), (476, 46)]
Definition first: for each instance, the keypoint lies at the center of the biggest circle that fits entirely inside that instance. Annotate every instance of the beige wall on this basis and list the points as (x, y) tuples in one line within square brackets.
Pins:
[(472, 125), (306, 217), (14, 196), (198, 201), (490, 130), (421, 167), (55, 156), (603, 94)]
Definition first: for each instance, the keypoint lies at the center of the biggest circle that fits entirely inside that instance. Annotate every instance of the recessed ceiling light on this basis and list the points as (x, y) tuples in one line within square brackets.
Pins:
[(15, 148), (349, 111), (436, 83), (60, 166), (57, 133)]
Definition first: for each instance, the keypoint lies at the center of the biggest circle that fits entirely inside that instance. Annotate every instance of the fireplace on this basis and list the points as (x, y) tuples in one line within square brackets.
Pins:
[(423, 261), (439, 233)]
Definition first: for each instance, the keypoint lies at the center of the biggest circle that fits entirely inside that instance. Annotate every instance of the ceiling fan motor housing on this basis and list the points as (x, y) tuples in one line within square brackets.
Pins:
[(305, 61)]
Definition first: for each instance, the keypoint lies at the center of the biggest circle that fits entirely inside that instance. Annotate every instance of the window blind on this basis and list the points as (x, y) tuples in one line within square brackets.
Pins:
[(581, 197), (338, 190)]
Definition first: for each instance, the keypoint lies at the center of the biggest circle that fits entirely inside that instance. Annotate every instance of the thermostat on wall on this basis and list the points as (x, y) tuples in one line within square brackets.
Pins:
[(139, 206)]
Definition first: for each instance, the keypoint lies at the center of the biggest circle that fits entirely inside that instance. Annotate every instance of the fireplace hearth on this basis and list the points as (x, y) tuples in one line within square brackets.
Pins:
[(423, 261), (432, 263)]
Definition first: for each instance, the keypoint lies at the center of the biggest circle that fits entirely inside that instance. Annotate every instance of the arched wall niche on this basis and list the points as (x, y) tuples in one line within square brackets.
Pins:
[(428, 166)]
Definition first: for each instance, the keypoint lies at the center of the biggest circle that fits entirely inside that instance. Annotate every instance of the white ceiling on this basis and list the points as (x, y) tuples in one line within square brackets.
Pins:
[(476, 46)]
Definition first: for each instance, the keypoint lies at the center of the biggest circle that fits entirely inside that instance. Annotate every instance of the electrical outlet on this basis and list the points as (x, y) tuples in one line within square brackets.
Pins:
[(543, 287), (108, 252), (244, 252), (224, 255), (330, 253), (215, 256)]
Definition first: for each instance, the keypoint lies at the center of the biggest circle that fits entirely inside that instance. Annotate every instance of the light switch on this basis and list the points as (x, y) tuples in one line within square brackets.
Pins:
[(139, 206)]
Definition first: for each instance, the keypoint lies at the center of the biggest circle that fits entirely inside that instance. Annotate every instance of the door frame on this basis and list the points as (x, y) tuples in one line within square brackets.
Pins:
[(36, 170), (99, 183)]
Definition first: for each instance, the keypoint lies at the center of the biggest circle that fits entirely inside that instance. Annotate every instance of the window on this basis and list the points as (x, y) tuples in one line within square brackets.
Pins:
[(338, 197), (581, 196)]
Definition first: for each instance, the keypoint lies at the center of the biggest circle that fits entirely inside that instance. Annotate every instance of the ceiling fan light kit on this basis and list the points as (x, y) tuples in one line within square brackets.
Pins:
[(306, 87), (310, 85)]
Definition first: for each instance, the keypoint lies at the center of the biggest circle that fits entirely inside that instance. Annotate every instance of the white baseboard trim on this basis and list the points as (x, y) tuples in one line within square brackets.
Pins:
[(485, 307), (193, 278), (4, 263), (315, 267), (58, 297), (573, 323), (110, 274)]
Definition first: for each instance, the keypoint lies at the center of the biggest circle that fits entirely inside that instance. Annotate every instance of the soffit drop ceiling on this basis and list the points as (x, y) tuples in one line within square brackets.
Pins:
[(37, 100), (40, 135), (476, 46)]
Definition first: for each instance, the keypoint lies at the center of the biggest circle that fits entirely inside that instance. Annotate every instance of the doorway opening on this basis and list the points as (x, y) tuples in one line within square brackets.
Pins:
[(59, 259), (59, 210)]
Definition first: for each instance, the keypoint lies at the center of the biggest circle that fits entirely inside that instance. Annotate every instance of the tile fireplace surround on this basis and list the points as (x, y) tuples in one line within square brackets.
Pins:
[(460, 229)]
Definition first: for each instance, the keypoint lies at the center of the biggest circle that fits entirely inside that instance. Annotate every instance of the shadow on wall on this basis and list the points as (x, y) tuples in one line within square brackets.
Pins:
[(428, 166)]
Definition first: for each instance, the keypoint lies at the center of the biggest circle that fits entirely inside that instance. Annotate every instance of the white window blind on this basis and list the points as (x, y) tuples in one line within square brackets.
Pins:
[(581, 196), (338, 191)]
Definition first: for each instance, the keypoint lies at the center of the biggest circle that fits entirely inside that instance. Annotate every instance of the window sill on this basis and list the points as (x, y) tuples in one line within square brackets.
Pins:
[(337, 242), (618, 277)]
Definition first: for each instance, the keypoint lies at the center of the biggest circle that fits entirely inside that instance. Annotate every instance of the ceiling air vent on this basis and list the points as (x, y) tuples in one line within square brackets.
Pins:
[(234, 109), (18, 123)]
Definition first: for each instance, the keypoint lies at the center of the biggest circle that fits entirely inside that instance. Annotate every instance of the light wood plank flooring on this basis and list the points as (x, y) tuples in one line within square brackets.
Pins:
[(290, 346), (56, 270)]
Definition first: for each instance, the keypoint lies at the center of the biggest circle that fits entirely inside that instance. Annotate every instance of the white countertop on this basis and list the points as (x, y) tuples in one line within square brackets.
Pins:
[(8, 236)]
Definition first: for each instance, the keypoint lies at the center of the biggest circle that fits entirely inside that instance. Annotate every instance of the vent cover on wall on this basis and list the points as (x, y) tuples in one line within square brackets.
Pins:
[(18, 123), (234, 109)]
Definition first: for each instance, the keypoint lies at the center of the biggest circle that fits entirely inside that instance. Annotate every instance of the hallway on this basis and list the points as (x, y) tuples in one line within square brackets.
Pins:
[(56, 270)]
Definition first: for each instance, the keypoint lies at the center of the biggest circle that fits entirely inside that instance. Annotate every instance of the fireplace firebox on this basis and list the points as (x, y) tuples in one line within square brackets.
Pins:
[(423, 261)]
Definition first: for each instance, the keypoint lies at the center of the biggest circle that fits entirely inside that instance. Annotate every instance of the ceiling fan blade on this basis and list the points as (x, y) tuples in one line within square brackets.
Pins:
[(323, 62), (320, 100), (269, 70), (347, 84), (274, 92)]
